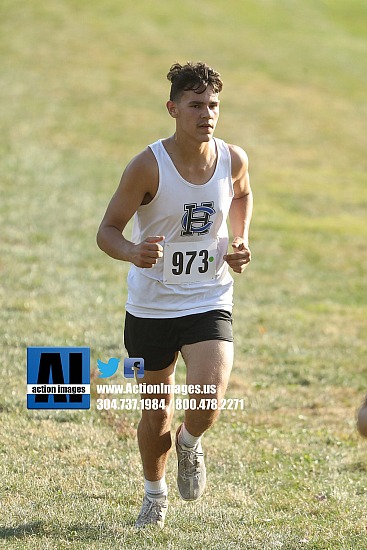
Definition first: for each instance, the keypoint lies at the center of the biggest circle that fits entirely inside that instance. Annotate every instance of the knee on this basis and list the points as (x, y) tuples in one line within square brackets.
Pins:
[(158, 416), (216, 394)]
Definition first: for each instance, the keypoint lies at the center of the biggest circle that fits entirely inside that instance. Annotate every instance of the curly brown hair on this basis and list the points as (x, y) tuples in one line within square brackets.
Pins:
[(193, 76)]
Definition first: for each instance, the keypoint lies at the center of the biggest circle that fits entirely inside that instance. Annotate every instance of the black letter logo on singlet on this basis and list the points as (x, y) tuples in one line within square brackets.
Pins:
[(196, 219)]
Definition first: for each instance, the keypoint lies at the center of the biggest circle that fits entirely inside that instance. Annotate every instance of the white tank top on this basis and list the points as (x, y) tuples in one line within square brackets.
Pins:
[(192, 276)]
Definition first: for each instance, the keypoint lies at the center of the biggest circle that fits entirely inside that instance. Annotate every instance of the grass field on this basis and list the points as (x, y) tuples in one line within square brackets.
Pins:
[(83, 89)]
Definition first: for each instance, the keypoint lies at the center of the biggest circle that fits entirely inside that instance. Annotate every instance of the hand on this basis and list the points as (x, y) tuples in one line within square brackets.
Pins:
[(241, 257), (146, 254)]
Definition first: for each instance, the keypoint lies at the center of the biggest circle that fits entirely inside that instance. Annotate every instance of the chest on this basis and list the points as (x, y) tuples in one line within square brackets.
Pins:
[(194, 174)]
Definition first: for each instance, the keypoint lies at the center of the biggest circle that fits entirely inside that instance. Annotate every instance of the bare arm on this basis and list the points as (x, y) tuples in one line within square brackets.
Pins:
[(240, 212), (138, 186)]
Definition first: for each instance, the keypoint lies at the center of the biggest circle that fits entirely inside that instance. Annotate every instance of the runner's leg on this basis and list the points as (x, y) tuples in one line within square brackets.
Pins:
[(154, 435), (207, 363)]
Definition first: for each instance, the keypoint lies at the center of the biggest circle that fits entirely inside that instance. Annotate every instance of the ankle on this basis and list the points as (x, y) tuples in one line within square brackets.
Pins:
[(156, 489), (186, 438)]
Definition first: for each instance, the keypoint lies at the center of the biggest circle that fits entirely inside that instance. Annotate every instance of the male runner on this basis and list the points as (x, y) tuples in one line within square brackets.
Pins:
[(180, 191)]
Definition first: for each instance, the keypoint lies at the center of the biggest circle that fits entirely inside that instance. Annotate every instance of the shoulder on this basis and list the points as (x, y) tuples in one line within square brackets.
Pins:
[(141, 175), (239, 160), (143, 164)]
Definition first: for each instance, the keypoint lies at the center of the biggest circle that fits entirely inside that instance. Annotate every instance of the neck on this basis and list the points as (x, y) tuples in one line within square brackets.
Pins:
[(191, 150)]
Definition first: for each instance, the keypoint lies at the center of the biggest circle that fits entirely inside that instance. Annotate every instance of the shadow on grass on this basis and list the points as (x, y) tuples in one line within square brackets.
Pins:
[(34, 528), (24, 530), (76, 532)]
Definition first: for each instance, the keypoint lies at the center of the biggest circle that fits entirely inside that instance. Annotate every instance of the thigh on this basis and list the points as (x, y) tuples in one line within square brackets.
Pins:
[(164, 376), (209, 362), (157, 386)]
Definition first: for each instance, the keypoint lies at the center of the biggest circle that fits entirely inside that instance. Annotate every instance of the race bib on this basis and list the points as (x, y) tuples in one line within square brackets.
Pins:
[(189, 262)]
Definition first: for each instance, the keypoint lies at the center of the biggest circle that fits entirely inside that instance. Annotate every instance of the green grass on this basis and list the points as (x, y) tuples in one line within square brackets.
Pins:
[(83, 90)]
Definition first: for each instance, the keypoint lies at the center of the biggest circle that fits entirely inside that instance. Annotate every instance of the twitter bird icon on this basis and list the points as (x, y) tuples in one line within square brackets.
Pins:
[(108, 369)]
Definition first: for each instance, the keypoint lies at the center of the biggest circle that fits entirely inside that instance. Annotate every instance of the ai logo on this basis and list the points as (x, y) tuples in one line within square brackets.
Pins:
[(58, 378), (196, 220)]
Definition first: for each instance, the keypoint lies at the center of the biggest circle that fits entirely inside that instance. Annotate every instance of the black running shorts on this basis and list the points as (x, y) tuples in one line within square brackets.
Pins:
[(158, 340)]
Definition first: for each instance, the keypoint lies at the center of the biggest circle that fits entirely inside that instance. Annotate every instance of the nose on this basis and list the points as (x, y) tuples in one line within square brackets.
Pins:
[(206, 112)]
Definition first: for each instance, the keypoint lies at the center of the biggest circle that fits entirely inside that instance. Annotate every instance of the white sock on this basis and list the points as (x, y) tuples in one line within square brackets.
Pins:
[(156, 489), (185, 438)]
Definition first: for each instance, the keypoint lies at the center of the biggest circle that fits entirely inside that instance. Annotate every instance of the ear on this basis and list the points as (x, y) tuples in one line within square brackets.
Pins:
[(172, 108)]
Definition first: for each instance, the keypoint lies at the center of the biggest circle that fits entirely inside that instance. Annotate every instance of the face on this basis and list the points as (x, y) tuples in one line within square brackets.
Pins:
[(196, 114)]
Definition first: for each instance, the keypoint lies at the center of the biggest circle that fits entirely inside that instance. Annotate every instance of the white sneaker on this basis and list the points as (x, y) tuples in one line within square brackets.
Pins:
[(153, 512), (191, 474)]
